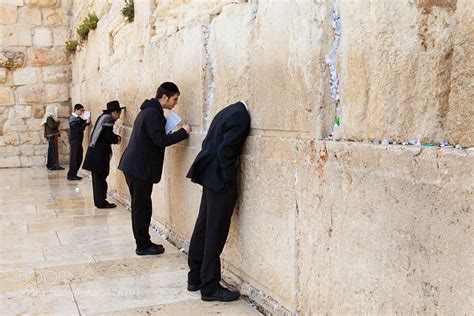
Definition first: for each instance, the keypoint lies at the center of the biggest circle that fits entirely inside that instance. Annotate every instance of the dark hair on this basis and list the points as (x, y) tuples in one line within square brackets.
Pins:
[(167, 88), (78, 107)]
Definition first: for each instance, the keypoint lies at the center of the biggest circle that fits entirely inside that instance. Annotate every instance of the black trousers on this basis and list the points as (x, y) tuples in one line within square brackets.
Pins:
[(99, 187), (140, 192), (75, 159), (209, 237)]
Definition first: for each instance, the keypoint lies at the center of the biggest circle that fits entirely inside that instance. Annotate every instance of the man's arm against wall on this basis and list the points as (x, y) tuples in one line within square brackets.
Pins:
[(156, 131)]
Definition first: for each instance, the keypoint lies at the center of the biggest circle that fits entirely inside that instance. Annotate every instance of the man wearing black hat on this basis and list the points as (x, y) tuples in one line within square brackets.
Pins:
[(142, 161), (99, 152)]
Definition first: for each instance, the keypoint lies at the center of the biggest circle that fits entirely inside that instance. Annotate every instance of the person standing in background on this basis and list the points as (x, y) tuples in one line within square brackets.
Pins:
[(77, 125), (51, 133), (99, 152)]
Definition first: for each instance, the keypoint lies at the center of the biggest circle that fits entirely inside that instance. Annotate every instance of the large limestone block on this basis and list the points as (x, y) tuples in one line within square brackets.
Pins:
[(37, 111), (18, 35), (55, 17), (377, 235), (43, 36), (6, 96), (8, 14), (188, 62), (460, 118), (43, 3), (29, 15), (6, 151), (394, 62), (266, 207), (9, 139), (56, 74), (29, 161), (181, 196), (21, 111), (47, 56), (17, 3), (12, 59), (57, 92), (9, 162), (60, 35), (30, 94), (23, 76), (275, 74)]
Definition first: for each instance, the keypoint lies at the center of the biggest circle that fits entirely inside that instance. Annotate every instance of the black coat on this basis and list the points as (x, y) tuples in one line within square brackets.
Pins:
[(76, 129), (218, 161), (98, 157), (144, 155)]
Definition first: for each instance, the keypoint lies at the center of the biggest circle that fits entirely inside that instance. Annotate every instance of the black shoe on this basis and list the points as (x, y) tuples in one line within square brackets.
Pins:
[(151, 250), (221, 294), (57, 168), (74, 178), (108, 205), (193, 287)]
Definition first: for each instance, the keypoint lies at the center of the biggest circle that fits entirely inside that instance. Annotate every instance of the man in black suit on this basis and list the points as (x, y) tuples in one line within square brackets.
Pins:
[(215, 168), (142, 161), (99, 152), (77, 125)]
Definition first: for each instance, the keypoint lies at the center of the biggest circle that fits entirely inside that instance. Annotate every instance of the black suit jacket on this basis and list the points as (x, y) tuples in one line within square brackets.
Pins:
[(144, 155), (217, 162), (98, 157)]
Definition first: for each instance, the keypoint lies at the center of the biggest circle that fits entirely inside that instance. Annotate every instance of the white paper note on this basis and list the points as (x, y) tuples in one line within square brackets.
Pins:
[(86, 115), (172, 120)]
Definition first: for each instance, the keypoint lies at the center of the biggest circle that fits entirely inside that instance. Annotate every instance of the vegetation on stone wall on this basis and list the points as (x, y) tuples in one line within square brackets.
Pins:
[(89, 23), (128, 10), (71, 46)]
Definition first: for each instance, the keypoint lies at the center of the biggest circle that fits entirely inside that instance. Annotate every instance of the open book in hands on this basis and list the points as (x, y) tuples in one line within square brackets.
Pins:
[(172, 120)]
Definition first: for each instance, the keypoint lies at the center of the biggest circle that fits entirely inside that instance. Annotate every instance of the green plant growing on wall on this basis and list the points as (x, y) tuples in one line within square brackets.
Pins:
[(89, 23), (128, 10), (71, 46)]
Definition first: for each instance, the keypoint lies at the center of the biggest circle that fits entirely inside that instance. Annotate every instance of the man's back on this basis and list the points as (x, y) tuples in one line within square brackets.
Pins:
[(217, 162)]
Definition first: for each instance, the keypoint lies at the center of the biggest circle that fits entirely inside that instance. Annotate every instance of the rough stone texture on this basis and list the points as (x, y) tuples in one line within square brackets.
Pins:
[(43, 3), (32, 78), (460, 117), (408, 59), (8, 14), (58, 17), (47, 56), (6, 96), (12, 59)]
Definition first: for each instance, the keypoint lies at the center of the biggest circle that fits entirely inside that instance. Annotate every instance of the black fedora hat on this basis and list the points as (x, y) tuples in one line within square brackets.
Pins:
[(113, 106)]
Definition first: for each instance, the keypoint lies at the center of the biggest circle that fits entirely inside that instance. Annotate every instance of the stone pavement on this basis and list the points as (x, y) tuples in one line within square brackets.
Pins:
[(61, 255)]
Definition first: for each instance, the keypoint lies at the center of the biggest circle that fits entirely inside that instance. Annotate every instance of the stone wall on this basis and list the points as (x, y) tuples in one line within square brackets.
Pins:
[(34, 74), (327, 221)]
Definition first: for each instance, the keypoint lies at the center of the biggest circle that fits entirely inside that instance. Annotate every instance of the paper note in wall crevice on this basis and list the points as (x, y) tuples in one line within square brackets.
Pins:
[(172, 120)]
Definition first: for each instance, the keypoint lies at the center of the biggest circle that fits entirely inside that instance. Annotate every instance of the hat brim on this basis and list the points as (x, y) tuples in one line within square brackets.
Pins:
[(108, 111)]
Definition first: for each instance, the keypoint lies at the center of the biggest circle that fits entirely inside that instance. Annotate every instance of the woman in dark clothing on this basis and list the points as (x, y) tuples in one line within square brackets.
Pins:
[(51, 133), (99, 152)]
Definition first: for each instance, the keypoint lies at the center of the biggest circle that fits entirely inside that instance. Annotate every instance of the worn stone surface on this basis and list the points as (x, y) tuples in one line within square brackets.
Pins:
[(55, 17), (12, 59), (29, 15), (42, 36), (18, 35), (23, 76), (8, 14), (56, 74), (460, 116), (47, 56), (408, 59), (43, 3), (6, 96), (3, 75)]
